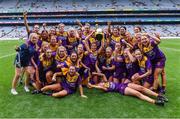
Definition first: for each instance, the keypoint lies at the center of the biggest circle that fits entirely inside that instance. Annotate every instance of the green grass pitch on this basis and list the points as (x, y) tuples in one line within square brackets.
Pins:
[(98, 104)]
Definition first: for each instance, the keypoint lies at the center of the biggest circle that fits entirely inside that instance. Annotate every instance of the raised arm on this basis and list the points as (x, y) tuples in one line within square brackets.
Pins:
[(155, 38), (79, 23), (25, 22), (132, 59), (102, 45), (109, 27), (86, 42)]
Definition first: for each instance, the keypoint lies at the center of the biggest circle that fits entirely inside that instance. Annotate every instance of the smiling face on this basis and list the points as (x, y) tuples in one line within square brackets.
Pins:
[(138, 54), (36, 28), (72, 70), (125, 54), (80, 49), (145, 40), (108, 52), (61, 51), (44, 34), (73, 57), (45, 46), (34, 38), (137, 30), (93, 46), (87, 28), (118, 46), (122, 30), (115, 31), (53, 40), (48, 53), (53, 31), (61, 27)]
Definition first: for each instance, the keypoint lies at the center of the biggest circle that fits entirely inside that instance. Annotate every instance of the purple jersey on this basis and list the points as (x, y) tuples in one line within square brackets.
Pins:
[(120, 68), (131, 68), (109, 62), (116, 87), (153, 52), (144, 66), (92, 58), (70, 83)]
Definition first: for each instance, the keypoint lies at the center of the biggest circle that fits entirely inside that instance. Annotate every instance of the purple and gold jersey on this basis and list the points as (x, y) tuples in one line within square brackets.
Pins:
[(70, 83), (46, 62), (92, 58), (64, 67), (116, 87), (109, 62), (131, 68), (144, 65), (120, 68), (152, 51)]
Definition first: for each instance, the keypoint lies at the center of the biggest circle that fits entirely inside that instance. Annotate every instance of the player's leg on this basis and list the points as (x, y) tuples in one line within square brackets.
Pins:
[(131, 92), (60, 93), (157, 72), (30, 71), (53, 87), (49, 75), (163, 77), (15, 80), (142, 89)]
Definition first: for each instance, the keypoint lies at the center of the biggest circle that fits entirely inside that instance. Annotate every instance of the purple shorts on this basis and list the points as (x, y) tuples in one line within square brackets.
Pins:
[(149, 79), (159, 63), (119, 76), (66, 87), (122, 87)]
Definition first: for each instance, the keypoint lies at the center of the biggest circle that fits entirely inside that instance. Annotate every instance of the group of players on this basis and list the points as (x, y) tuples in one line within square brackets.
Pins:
[(57, 62)]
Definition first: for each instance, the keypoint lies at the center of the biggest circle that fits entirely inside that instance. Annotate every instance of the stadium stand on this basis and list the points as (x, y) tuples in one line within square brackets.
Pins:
[(161, 16)]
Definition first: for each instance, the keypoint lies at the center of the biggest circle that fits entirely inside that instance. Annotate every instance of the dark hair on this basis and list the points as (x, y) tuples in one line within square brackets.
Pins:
[(138, 28), (123, 27)]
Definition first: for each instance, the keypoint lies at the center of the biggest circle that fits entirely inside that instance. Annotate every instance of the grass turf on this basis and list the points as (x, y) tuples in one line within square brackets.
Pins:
[(98, 104)]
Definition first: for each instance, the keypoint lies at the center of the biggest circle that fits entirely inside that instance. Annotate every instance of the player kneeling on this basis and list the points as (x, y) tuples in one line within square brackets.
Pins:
[(67, 86)]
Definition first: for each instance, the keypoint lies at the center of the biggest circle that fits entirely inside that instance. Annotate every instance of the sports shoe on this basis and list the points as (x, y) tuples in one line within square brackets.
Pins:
[(13, 91), (161, 97), (162, 91), (47, 93), (26, 89), (36, 92), (159, 102)]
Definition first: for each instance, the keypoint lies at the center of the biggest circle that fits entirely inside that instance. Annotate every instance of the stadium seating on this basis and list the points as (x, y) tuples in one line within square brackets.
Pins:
[(121, 12), (88, 5)]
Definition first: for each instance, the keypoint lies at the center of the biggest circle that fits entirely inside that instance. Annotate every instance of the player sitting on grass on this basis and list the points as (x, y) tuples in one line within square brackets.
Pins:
[(67, 86)]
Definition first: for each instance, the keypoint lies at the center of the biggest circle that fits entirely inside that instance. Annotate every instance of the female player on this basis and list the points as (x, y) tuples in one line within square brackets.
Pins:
[(157, 58), (73, 40), (46, 67), (114, 36), (67, 86), (131, 65), (24, 62), (93, 52), (108, 67), (35, 28), (61, 60), (62, 34), (131, 89), (120, 68), (145, 73), (53, 44)]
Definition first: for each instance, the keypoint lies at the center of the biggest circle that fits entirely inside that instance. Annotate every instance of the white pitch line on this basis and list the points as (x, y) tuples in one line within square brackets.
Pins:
[(7, 55), (172, 49)]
